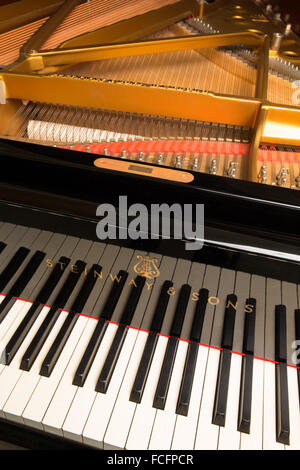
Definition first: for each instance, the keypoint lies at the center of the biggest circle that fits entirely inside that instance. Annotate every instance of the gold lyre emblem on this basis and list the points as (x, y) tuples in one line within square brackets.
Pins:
[(147, 267)]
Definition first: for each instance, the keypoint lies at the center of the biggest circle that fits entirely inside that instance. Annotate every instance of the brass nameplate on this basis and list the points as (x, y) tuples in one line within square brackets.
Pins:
[(146, 170)]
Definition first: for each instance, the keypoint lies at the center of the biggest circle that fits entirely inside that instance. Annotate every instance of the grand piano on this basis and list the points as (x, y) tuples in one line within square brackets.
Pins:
[(139, 343)]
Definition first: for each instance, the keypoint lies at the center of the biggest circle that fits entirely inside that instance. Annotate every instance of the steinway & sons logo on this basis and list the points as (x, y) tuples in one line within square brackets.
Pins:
[(147, 267), (179, 221)]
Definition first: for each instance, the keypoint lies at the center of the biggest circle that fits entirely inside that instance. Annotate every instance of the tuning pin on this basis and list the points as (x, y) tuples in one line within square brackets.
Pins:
[(281, 178), (160, 159), (213, 167), (178, 161), (276, 41), (262, 176), (195, 165), (105, 151), (87, 149), (71, 147), (231, 171), (288, 29), (123, 154), (298, 181), (141, 157), (269, 8)]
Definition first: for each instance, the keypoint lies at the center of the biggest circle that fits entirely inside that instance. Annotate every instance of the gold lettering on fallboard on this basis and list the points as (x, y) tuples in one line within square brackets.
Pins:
[(249, 308), (62, 265), (213, 300), (230, 304), (171, 291), (115, 277), (132, 282), (74, 268), (96, 274)]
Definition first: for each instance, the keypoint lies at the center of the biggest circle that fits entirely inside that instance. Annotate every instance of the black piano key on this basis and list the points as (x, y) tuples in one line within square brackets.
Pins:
[(13, 266), (52, 280), (111, 359), (199, 315), (144, 367), (162, 389), (58, 344), (115, 349), (132, 301), (30, 317), (114, 295), (282, 405), (280, 334), (161, 307), (220, 404), (50, 319), (6, 305), (297, 324), (40, 337), (146, 360), (21, 332), (86, 289), (20, 284), (244, 417), (95, 341), (184, 396), (282, 400), (249, 329), (178, 320), (245, 403), (90, 353), (229, 320), (69, 285), (27, 273), (192, 353)]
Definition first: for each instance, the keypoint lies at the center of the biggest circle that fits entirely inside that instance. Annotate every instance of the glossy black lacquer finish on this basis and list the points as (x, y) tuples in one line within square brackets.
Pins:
[(59, 190), (71, 174)]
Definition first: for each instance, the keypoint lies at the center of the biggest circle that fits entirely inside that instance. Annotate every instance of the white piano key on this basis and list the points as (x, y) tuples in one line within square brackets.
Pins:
[(10, 374), (186, 426), (119, 424), (208, 433), (12, 320), (84, 398), (27, 380), (45, 389), (294, 409), (98, 420), (142, 423), (64, 394), (254, 440), (229, 437), (269, 417), (164, 423)]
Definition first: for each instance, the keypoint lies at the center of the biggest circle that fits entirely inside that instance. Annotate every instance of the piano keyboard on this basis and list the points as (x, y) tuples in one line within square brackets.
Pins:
[(96, 351)]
